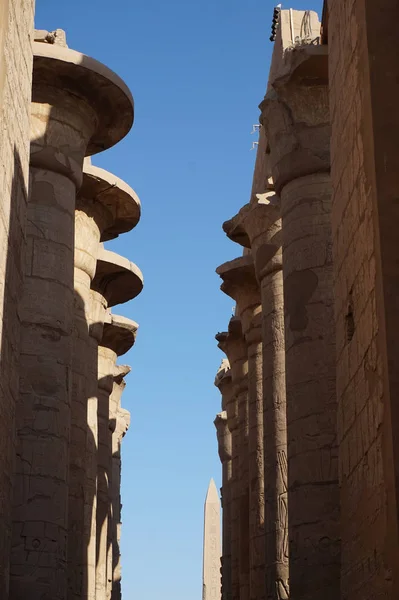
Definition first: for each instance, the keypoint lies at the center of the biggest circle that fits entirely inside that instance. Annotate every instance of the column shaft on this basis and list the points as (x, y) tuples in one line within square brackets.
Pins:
[(310, 380), (256, 470), (106, 365), (43, 416), (243, 489), (275, 437), (234, 516), (224, 445), (233, 344), (83, 441)]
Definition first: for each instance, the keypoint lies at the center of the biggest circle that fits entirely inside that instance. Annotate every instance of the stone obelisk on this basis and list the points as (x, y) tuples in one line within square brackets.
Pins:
[(211, 580)]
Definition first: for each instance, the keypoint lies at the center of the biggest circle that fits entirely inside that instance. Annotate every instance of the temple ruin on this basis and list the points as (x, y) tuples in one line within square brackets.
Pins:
[(307, 436)]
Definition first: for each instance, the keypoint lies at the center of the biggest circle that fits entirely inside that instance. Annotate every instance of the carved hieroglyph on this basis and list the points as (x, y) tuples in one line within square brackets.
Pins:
[(211, 583)]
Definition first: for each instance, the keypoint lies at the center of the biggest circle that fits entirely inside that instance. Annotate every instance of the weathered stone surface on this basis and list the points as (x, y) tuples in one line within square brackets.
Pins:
[(115, 206), (363, 71), (258, 226), (16, 25), (211, 565), (117, 278), (119, 424), (62, 73), (239, 282), (119, 335), (236, 406), (225, 446)]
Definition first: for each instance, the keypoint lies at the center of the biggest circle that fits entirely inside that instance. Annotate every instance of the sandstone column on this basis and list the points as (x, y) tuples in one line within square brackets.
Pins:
[(232, 343), (240, 283), (105, 207), (258, 226), (119, 335), (71, 116), (295, 115), (224, 436), (117, 281), (119, 424)]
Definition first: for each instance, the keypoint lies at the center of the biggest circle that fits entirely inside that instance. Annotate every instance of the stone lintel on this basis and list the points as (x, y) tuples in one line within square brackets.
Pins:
[(119, 334), (83, 78), (120, 200), (116, 278)]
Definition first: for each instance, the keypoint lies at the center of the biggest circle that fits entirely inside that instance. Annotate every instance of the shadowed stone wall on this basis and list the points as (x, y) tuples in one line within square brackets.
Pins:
[(364, 95), (16, 29)]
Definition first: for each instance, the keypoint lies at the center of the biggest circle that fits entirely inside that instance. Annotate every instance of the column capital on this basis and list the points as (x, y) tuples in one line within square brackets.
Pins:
[(116, 278), (258, 226), (295, 115), (224, 383), (232, 343), (223, 437), (119, 333), (240, 283), (61, 75), (118, 200), (223, 373)]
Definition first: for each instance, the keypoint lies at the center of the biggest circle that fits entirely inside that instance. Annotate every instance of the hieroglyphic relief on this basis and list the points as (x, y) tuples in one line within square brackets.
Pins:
[(282, 584)]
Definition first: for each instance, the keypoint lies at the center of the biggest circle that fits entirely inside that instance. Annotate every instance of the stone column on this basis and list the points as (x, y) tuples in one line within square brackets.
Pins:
[(232, 343), (119, 335), (295, 115), (70, 117), (240, 283), (119, 423), (117, 281), (224, 436), (258, 226), (105, 207)]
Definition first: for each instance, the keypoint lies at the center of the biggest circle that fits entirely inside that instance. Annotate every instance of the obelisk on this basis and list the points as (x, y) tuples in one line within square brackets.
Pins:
[(211, 580)]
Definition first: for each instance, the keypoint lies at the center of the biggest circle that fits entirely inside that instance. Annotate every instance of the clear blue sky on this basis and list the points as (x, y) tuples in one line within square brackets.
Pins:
[(197, 70)]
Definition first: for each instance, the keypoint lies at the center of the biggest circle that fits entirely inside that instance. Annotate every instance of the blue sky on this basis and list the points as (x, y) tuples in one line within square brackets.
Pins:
[(197, 70)]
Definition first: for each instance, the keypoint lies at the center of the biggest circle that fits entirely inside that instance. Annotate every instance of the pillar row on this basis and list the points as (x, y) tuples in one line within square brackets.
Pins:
[(117, 280), (239, 282), (78, 107), (119, 335), (232, 343), (258, 226), (224, 383), (105, 207)]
